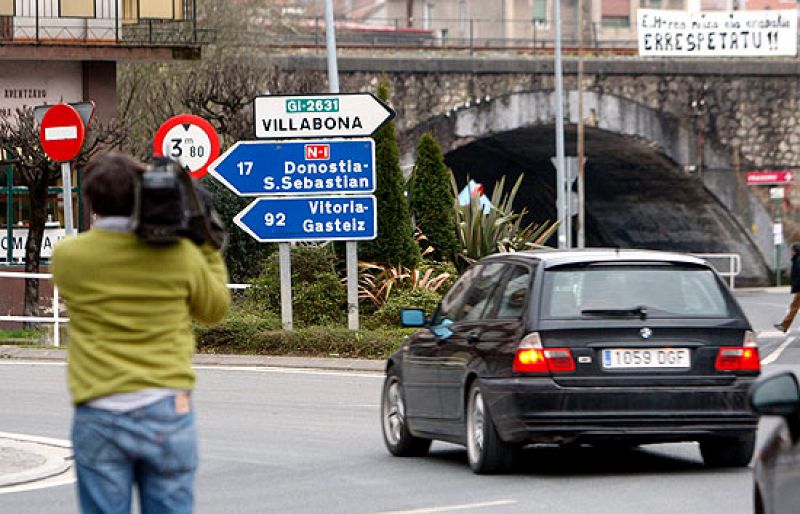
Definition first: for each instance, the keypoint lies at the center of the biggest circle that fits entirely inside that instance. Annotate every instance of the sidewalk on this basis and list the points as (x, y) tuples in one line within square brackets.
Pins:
[(204, 359)]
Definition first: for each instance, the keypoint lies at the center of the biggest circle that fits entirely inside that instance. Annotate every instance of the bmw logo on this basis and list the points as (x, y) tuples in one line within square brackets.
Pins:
[(646, 333)]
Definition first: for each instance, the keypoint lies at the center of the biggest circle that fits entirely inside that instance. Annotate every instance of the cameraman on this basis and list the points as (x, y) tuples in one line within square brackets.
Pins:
[(130, 348)]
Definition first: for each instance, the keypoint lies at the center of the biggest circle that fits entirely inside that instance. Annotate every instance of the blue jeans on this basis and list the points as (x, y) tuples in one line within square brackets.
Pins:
[(153, 446)]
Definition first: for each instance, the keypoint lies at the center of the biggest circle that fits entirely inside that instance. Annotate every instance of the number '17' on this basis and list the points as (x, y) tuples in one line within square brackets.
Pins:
[(245, 167)]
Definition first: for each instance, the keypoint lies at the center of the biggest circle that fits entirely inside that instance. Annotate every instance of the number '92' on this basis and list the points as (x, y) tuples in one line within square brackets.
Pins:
[(277, 219)]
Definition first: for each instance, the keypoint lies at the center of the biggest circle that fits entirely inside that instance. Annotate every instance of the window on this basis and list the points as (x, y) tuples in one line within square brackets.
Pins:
[(478, 301), (666, 291), (7, 7), (154, 9), (616, 13), (454, 299), (515, 294), (76, 9), (540, 11)]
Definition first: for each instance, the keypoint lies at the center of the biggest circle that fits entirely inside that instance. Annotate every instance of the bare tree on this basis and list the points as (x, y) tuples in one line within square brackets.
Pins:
[(38, 173)]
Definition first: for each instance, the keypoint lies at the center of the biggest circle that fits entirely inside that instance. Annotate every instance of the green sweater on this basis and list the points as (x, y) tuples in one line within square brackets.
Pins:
[(130, 307)]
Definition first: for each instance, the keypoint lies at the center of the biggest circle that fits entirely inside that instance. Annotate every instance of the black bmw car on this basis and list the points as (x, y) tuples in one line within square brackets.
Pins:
[(595, 346)]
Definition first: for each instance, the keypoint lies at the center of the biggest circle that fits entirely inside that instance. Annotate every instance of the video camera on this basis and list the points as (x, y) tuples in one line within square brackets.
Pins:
[(168, 205)]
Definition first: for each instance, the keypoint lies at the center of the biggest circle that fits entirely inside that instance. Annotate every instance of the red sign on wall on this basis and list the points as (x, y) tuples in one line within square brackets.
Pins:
[(767, 178)]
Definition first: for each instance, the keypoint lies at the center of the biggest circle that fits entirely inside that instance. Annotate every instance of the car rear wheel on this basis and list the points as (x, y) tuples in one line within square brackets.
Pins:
[(396, 435), (487, 453), (728, 452)]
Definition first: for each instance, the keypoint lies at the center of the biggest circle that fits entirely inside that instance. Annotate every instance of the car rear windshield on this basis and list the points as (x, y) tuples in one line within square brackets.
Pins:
[(655, 291)]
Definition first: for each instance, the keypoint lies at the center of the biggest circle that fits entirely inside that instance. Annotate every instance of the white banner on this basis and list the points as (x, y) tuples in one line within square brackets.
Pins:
[(20, 237), (663, 33)]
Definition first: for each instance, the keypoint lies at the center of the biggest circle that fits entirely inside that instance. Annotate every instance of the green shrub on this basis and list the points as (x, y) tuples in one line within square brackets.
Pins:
[(432, 200), (238, 325), (395, 244), (321, 302), (440, 268), (309, 263), (389, 314), (311, 341)]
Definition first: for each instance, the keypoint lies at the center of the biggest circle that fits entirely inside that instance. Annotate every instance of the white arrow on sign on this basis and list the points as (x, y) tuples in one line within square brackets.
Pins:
[(319, 116)]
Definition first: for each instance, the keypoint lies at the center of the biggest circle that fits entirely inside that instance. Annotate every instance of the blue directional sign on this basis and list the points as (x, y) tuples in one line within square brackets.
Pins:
[(265, 168), (319, 218)]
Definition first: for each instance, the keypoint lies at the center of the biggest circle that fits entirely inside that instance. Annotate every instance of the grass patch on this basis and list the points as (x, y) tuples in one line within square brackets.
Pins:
[(31, 334)]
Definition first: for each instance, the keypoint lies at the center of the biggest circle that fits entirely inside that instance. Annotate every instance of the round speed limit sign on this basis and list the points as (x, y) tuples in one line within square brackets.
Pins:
[(190, 140)]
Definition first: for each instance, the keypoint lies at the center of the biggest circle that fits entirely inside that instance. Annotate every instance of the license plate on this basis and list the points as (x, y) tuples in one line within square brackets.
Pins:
[(646, 358)]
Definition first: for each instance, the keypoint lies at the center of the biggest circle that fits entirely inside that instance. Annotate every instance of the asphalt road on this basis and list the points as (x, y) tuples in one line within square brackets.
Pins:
[(298, 441)]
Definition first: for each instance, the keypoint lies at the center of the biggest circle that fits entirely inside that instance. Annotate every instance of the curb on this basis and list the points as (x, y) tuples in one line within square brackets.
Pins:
[(205, 359), (54, 458)]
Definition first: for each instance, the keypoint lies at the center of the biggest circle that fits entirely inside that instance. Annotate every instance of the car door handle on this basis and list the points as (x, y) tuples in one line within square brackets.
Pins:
[(474, 336)]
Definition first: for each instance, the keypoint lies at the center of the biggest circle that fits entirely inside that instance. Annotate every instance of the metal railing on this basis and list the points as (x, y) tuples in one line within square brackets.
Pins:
[(41, 23), (56, 319), (731, 270), (472, 34)]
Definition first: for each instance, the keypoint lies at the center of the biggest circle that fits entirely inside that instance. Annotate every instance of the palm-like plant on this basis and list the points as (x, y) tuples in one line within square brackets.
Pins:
[(482, 233)]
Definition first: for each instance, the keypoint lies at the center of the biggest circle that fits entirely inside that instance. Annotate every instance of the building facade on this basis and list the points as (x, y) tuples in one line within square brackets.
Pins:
[(55, 51)]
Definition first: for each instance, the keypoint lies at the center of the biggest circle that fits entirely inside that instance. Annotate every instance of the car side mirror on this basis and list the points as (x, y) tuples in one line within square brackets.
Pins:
[(412, 317), (777, 395)]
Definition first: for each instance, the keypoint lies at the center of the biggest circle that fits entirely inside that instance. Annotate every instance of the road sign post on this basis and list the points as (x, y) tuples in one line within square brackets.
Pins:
[(314, 154), (774, 178), (62, 133)]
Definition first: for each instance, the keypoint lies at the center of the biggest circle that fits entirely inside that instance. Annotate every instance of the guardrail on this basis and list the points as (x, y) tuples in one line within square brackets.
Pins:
[(56, 320), (473, 33), (734, 264)]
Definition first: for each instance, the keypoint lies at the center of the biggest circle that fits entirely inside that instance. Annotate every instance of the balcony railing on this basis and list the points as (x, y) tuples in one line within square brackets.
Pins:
[(110, 25)]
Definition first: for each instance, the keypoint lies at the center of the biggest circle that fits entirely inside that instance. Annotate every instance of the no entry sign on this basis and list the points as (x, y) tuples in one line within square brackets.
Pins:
[(189, 139), (62, 132)]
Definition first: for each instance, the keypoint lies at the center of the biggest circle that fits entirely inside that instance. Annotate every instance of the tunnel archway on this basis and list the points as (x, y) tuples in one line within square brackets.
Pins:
[(638, 194)]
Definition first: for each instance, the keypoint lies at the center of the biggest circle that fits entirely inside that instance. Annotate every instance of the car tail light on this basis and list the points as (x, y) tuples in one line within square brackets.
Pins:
[(531, 357), (738, 358)]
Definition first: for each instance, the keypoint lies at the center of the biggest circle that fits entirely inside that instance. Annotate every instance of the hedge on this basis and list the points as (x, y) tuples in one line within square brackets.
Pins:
[(247, 334)]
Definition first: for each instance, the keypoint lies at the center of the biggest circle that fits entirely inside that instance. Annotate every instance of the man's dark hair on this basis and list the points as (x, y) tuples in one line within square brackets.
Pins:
[(110, 183), (796, 247)]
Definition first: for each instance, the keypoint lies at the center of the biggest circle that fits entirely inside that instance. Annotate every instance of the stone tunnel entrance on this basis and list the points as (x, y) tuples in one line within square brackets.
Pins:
[(636, 197)]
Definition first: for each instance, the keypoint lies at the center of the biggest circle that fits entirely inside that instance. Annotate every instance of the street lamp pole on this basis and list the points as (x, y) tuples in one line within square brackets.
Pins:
[(560, 168), (581, 137)]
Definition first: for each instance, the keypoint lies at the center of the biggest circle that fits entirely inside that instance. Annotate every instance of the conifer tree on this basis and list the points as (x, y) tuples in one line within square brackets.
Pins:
[(432, 199), (395, 243)]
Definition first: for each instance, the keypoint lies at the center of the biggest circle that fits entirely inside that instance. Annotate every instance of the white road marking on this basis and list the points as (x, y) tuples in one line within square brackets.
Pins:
[(63, 443), (772, 357), (263, 369), (60, 133), (292, 371), (450, 508), (770, 333), (66, 478)]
